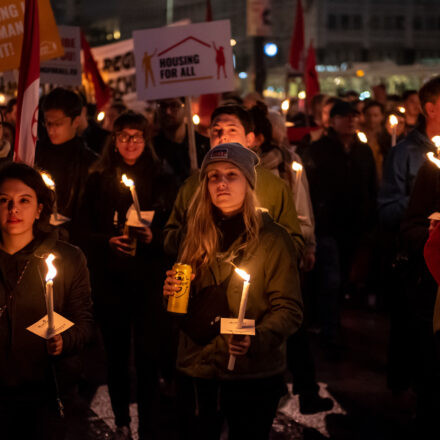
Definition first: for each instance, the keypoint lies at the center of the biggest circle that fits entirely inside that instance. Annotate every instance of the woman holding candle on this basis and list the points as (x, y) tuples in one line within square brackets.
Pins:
[(126, 287), (224, 229), (28, 363)]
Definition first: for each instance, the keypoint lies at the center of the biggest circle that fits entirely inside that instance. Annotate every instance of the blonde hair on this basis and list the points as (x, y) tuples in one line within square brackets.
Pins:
[(202, 239)]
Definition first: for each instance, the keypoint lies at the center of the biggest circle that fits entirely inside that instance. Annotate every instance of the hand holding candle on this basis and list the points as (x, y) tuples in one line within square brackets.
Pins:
[(51, 273)]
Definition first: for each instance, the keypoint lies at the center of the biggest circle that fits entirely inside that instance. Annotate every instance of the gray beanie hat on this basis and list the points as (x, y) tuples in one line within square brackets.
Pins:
[(234, 153)]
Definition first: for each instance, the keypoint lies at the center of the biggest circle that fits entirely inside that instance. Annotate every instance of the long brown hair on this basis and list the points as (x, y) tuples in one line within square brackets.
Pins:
[(201, 243)]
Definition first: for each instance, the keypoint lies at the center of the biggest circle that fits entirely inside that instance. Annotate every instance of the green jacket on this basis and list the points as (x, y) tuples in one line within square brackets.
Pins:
[(273, 195), (274, 302)]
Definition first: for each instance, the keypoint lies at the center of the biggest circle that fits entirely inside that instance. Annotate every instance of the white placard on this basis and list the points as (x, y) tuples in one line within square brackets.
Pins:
[(116, 64), (65, 71), (133, 220), (228, 326), (41, 327), (184, 60)]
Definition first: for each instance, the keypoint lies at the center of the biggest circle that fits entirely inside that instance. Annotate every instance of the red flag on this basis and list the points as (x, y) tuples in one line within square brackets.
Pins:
[(28, 87), (310, 75), (296, 56), (208, 11), (102, 90)]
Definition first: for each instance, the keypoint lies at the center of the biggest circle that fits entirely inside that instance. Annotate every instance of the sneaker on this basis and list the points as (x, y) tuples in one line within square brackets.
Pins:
[(313, 403), (122, 433)]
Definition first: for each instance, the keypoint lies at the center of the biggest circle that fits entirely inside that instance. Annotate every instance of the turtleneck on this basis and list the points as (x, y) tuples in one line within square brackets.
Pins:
[(230, 227)]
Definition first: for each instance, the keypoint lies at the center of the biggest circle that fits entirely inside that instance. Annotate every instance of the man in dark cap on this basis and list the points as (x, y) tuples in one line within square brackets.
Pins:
[(342, 178)]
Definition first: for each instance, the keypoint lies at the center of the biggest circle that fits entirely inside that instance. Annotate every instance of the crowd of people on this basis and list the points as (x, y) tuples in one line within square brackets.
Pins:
[(348, 223)]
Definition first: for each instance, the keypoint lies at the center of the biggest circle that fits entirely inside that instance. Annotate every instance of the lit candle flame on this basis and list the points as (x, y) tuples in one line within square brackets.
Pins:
[(126, 181), (436, 141), (433, 159), (51, 271), (196, 119), (401, 109), (302, 95), (393, 120), (362, 137), (243, 274), (48, 180), (285, 105), (101, 116), (296, 166)]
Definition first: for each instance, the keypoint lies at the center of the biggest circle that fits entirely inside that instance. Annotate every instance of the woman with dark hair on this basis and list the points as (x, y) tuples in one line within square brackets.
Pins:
[(29, 364), (225, 229), (126, 288)]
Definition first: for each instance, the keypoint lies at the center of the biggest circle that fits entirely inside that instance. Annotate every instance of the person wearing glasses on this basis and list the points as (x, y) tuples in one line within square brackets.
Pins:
[(171, 143), (124, 276), (63, 154)]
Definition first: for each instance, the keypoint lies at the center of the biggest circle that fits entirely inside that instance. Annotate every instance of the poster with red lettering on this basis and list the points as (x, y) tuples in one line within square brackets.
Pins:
[(66, 70), (184, 60)]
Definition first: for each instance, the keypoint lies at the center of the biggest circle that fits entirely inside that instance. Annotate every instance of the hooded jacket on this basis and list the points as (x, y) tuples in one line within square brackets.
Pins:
[(25, 362), (274, 303)]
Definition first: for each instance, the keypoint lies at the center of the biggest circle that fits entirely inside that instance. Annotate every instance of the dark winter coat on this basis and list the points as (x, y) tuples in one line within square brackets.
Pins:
[(25, 363), (343, 186)]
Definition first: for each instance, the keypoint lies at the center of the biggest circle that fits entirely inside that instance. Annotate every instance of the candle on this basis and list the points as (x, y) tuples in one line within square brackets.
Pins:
[(297, 167), (393, 122), (51, 184), (51, 272), (242, 309), (362, 137), (130, 184), (285, 107)]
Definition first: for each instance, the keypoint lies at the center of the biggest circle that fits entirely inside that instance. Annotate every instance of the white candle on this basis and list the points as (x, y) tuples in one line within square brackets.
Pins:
[(130, 184), (297, 167), (51, 272), (393, 122), (51, 184), (241, 310)]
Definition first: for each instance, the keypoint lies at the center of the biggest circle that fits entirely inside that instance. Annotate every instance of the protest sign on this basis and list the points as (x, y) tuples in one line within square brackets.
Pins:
[(116, 63), (11, 33), (184, 60), (65, 71)]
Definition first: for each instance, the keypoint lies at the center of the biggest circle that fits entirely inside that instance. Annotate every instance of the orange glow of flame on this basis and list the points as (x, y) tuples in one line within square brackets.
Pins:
[(296, 166), (243, 274), (436, 141), (433, 159), (51, 271), (362, 137), (126, 181), (48, 180), (393, 120)]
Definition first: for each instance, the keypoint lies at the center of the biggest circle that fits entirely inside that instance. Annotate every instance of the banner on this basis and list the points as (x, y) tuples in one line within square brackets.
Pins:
[(116, 64), (11, 33), (65, 71), (28, 87), (184, 60), (259, 21)]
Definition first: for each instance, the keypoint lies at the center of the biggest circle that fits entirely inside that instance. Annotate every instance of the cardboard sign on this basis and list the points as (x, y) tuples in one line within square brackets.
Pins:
[(11, 33), (116, 63), (65, 71), (184, 60)]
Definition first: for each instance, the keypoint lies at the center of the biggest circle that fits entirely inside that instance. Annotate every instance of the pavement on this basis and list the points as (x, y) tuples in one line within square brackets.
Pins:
[(356, 381)]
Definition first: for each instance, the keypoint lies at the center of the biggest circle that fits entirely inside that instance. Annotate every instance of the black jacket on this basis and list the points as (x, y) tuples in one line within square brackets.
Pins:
[(103, 213), (343, 186), (68, 165), (25, 362)]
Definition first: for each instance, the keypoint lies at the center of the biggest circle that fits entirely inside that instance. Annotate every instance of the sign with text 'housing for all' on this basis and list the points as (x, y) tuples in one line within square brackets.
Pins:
[(184, 60)]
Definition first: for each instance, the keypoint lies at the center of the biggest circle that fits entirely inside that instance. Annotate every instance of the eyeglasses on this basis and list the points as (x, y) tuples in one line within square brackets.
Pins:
[(57, 123), (126, 138)]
